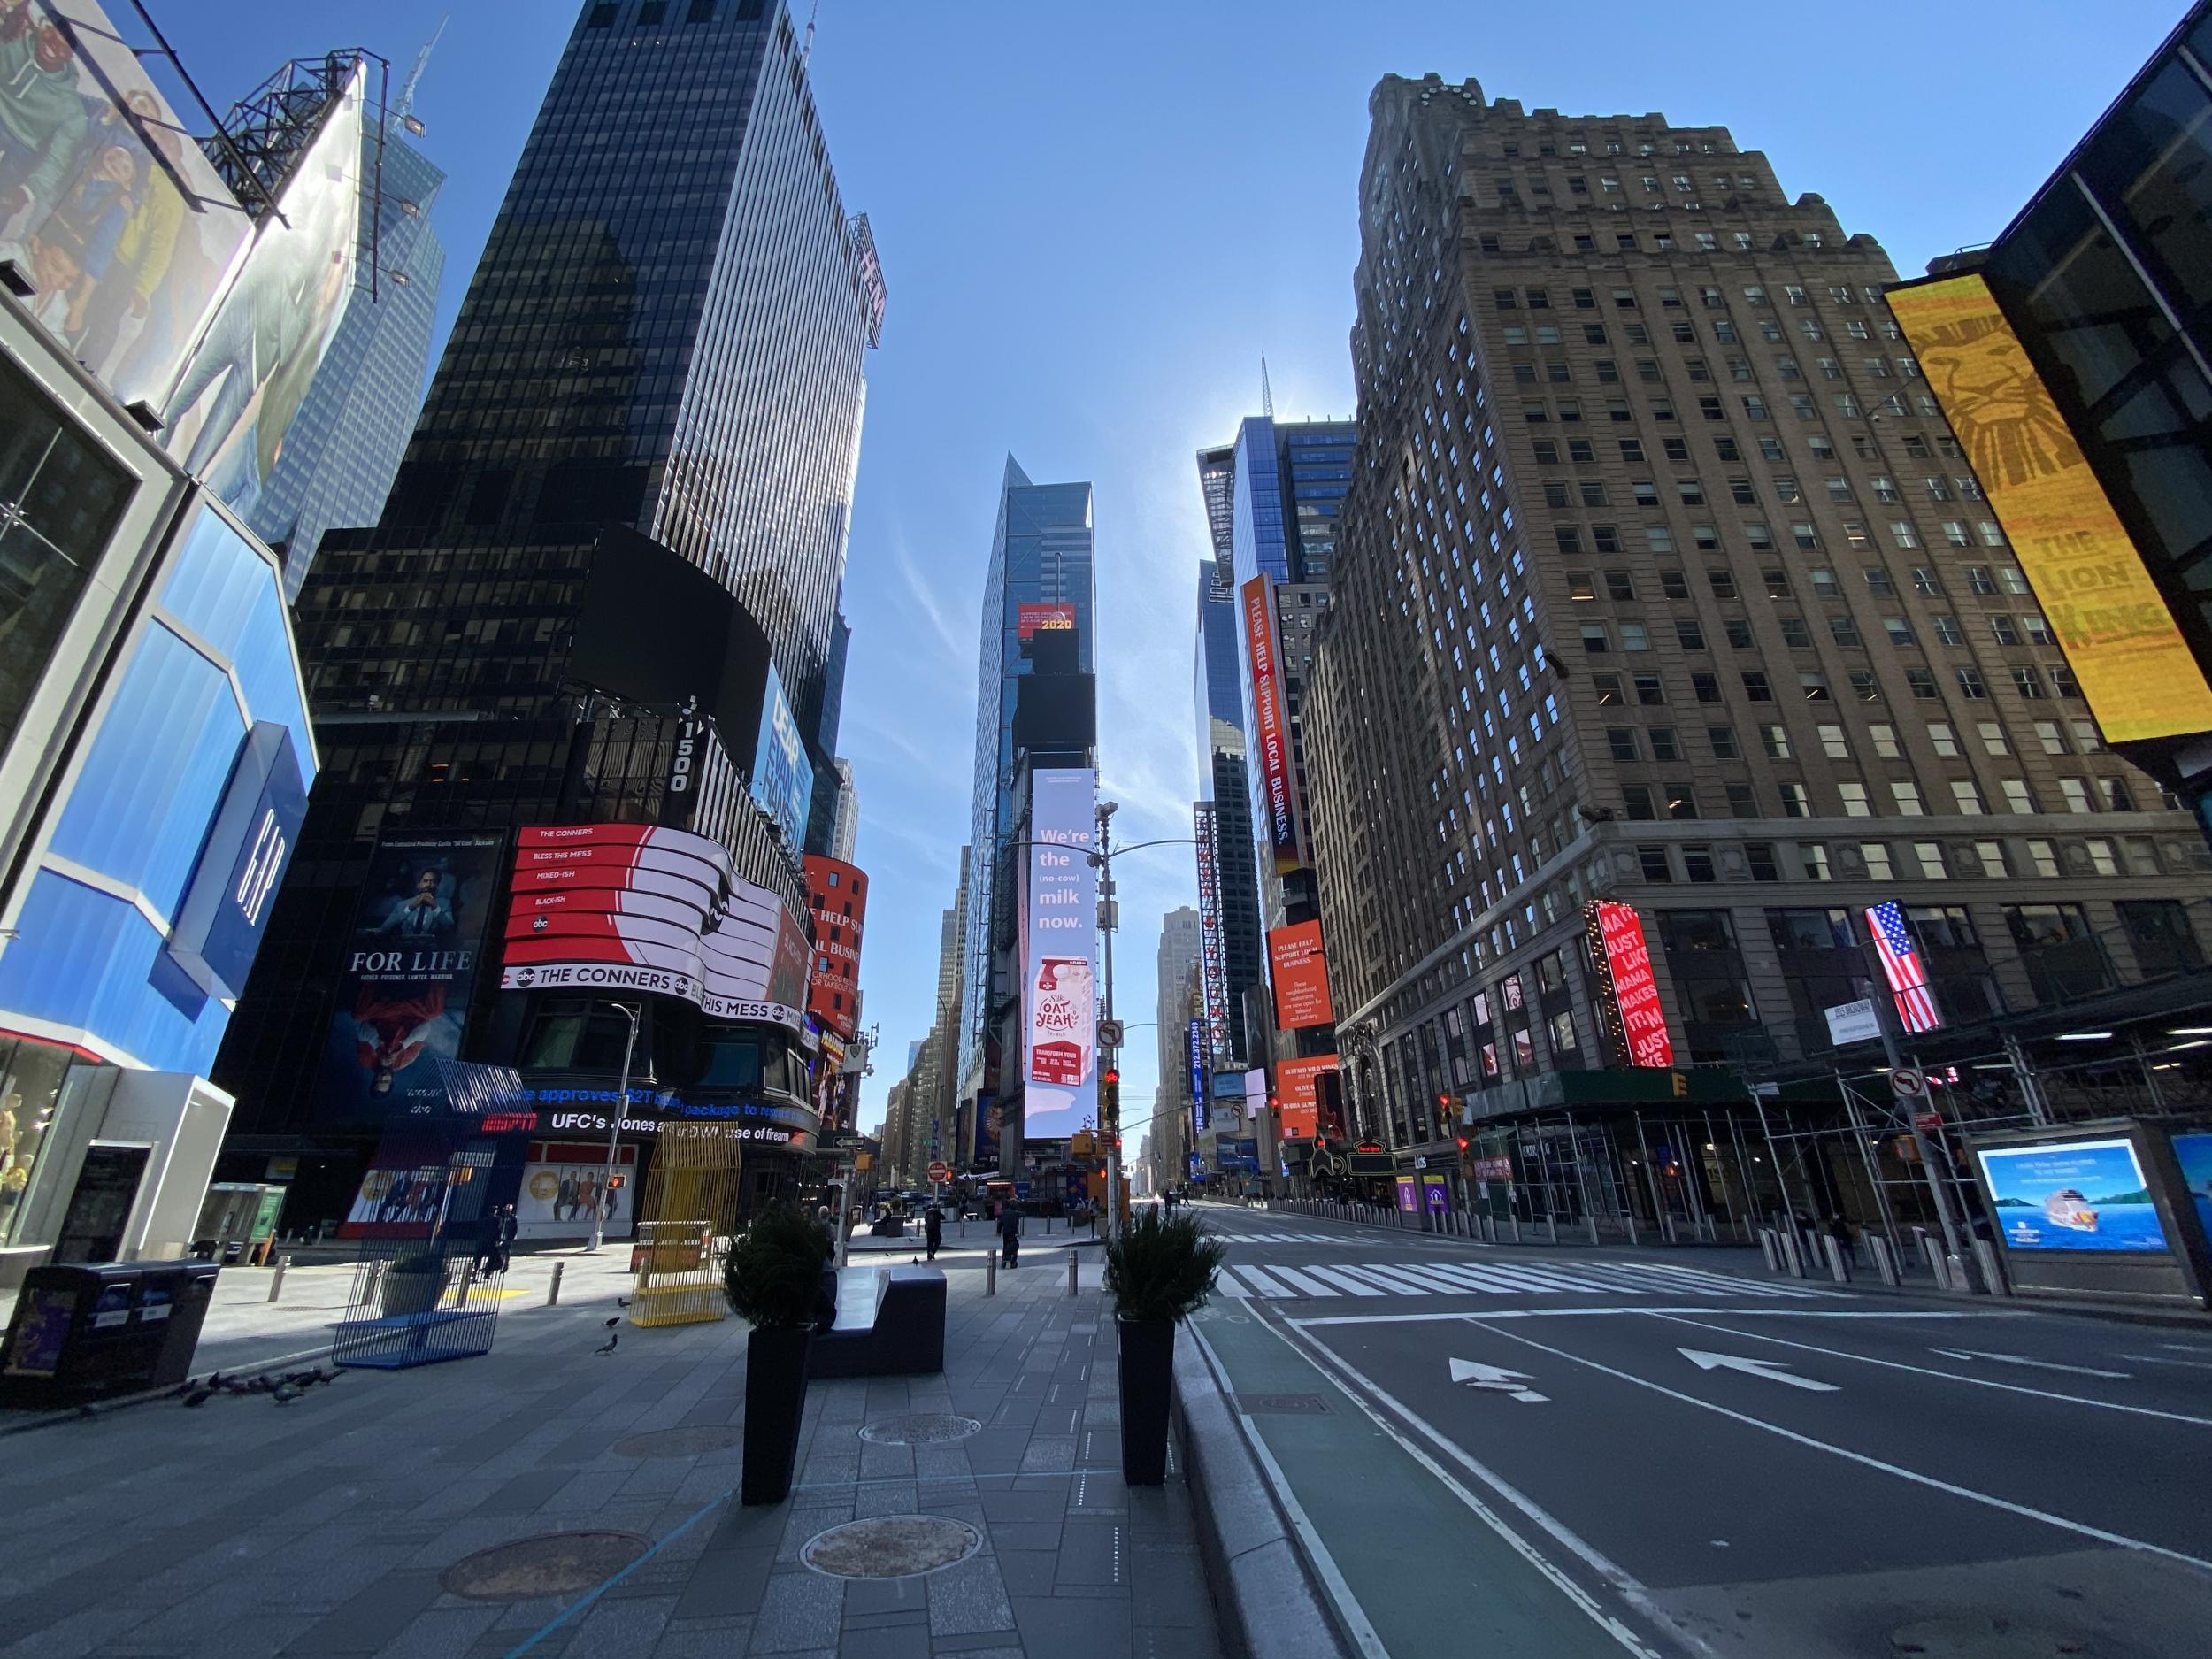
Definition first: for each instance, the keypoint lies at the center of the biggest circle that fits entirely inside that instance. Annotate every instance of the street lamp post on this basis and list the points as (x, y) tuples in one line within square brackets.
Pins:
[(614, 1130), (1106, 810)]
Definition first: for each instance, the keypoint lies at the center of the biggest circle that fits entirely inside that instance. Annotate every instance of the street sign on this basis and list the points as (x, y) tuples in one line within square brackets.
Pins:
[(1908, 1084), (940, 1172), (1111, 1032), (1853, 1022), (1928, 1122)]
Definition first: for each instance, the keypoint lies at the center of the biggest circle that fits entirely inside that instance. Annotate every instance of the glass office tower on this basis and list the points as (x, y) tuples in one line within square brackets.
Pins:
[(1041, 563), (343, 446), (663, 339), (1232, 923)]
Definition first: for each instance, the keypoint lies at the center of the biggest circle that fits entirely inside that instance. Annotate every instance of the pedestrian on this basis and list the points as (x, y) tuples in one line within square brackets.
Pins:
[(509, 1226), (1010, 1231), (933, 1230), (488, 1236)]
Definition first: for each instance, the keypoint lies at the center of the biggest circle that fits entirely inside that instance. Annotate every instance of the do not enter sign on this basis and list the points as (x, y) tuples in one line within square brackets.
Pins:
[(940, 1172)]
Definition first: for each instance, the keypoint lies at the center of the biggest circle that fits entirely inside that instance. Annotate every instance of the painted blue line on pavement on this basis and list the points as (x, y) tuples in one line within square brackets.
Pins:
[(590, 1596)]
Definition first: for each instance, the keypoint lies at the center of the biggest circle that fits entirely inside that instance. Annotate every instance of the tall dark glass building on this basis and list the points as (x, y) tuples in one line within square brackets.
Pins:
[(628, 491), (1229, 905), (1040, 577)]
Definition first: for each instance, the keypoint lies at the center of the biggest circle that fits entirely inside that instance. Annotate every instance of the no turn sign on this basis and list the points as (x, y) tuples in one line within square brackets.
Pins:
[(1908, 1084)]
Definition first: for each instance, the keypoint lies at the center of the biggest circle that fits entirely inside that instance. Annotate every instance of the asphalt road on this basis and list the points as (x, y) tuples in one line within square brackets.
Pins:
[(1554, 1453)]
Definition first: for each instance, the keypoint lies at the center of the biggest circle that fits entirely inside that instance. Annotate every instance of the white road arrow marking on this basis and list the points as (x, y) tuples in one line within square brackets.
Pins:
[(1505, 1382), (2022, 1359), (1765, 1368)]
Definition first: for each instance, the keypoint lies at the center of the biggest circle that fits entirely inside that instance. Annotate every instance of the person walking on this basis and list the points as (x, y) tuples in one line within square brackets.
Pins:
[(1009, 1232), (488, 1228), (509, 1226), (933, 1230)]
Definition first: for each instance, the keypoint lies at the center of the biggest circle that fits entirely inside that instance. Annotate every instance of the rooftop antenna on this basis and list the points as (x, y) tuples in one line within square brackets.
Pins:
[(807, 50), (405, 108), (1267, 396)]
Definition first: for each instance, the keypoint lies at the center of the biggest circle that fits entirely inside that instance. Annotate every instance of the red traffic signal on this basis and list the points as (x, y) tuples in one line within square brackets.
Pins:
[(1462, 1143), (1110, 1076), (613, 1181)]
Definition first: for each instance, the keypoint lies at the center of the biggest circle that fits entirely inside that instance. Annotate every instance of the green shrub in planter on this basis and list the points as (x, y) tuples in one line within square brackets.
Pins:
[(1159, 1273), (773, 1279)]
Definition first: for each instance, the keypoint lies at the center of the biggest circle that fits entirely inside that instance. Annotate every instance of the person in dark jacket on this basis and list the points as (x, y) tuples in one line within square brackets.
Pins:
[(1009, 1232), (933, 1230)]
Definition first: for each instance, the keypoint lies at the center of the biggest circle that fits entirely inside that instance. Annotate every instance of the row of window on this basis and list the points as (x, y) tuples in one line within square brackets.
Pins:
[(1663, 742), (2028, 680), (1677, 799), (1683, 330), (1919, 860)]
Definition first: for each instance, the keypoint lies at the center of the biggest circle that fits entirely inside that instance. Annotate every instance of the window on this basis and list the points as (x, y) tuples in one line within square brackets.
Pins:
[(1922, 682), (1971, 686), (1815, 858), (1833, 743), (1941, 738), (1622, 741), (1845, 631), (1663, 743), (1929, 856), (2044, 857), (1966, 794), (2102, 858), (1636, 797), (2018, 796), (1648, 690), (2028, 682), (1884, 740), (1741, 803), (1722, 739), (1739, 632), (1674, 585), (1775, 741), (1813, 687), (1794, 633), (1759, 855), (1876, 855), (2118, 796), (1898, 630), (1855, 802), (1706, 687), (1795, 801), (1681, 799), (2076, 791), (1755, 689), (1948, 631), (1594, 638), (1906, 795), (1653, 861), (1993, 739), (1688, 635)]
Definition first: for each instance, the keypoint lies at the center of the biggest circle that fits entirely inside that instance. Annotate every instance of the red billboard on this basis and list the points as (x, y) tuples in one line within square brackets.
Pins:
[(1272, 723), (646, 907), (1297, 1088), (1034, 619), (1629, 995), (837, 892), (1301, 972)]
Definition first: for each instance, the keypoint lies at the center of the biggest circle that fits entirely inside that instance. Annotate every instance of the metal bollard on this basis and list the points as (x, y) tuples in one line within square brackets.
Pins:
[(1884, 1260), (1933, 1249), (1838, 1270), (553, 1290), (990, 1272), (1517, 1228), (1593, 1229), (1071, 1272), (963, 1223), (1767, 1250), (1551, 1226), (276, 1279), (1792, 1257)]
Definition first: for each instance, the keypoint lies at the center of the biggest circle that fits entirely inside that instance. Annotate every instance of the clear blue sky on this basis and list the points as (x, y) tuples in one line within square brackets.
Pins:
[(1093, 219)]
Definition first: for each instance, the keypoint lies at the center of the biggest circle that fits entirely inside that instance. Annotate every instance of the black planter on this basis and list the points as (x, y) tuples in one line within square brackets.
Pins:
[(1147, 1389), (775, 1398)]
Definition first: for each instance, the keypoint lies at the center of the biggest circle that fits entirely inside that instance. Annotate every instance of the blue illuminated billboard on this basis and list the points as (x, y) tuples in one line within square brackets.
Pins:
[(2079, 1196), (783, 777), (2193, 1153)]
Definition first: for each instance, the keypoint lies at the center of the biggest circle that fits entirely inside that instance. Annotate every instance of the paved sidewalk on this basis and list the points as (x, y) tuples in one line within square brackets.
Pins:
[(320, 1529)]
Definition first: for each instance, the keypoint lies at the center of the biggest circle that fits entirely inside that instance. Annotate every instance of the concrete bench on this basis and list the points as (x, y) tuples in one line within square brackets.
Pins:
[(890, 1322)]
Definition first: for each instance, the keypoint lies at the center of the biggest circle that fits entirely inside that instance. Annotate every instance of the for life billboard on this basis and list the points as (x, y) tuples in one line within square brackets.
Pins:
[(250, 371), (1059, 983), (1301, 972), (1269, 715), (2137, 672), (409, 968), (106, 203), (639, 907), (1628, 991)]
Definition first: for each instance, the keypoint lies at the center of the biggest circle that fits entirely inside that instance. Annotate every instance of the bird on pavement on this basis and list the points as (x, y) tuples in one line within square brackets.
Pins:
[(614, 1322), (608, 1346), (283, 1395)]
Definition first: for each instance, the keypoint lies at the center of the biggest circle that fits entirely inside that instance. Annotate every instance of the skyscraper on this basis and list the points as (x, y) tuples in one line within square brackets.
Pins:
[(1039, 582), (343, 448), (624, 506), (1176, 961), (1663, 582), (1228, 878)]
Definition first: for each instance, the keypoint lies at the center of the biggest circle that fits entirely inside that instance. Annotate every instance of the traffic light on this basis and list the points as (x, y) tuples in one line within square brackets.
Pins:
[(1110, 1103), (614, 1183), (1466, 1158)]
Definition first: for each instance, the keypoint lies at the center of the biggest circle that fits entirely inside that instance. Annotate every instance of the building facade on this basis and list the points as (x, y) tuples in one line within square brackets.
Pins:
[(604, 587), (1176, 963), (1233, 939), (344, 446), (1040, 581), (1663, 581)]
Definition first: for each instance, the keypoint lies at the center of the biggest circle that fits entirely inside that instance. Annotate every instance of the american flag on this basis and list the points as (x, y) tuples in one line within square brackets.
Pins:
[(1908, 979)]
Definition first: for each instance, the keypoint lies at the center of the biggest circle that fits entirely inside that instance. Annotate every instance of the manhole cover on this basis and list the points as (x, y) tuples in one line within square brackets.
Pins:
[(926, 1429), (557, 1564), (1283, 1405), (891, 1546), (1985, 1636), (690, 1442)]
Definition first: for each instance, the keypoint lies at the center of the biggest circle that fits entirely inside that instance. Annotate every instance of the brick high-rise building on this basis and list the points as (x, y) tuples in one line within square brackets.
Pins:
[(1661, 579)]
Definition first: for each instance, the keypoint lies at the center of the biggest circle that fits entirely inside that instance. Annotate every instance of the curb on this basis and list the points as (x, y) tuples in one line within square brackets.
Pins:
[(1265, 1596), (92, 1409)]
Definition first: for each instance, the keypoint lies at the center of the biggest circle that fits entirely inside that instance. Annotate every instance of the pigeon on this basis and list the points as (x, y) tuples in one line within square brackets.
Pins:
[(608, 1346), (614, 1322), (199, 1396), (284, 1396), (621, 1301)]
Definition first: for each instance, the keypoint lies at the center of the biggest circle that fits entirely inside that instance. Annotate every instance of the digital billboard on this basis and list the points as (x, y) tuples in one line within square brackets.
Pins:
[(251, 367), (1030, 620), (1628, 994), (1276, 769), (990, 1117), (1298, 1090), (637, 907), (2071, 1195), (1059, 994), (1212, 948), (409, 971), (783, 777), (837, 894), (125, 232), (1301, 972), (2133, 665)]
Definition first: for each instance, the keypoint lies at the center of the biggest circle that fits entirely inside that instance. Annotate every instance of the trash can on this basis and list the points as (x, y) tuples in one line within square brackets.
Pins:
[(82, 1332)]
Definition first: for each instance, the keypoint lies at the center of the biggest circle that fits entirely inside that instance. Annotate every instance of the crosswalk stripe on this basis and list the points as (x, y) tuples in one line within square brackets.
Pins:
[(1301, 1283), (1337, 1275), (1394, 1280), (1261, 1282), (1227, 1282)]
